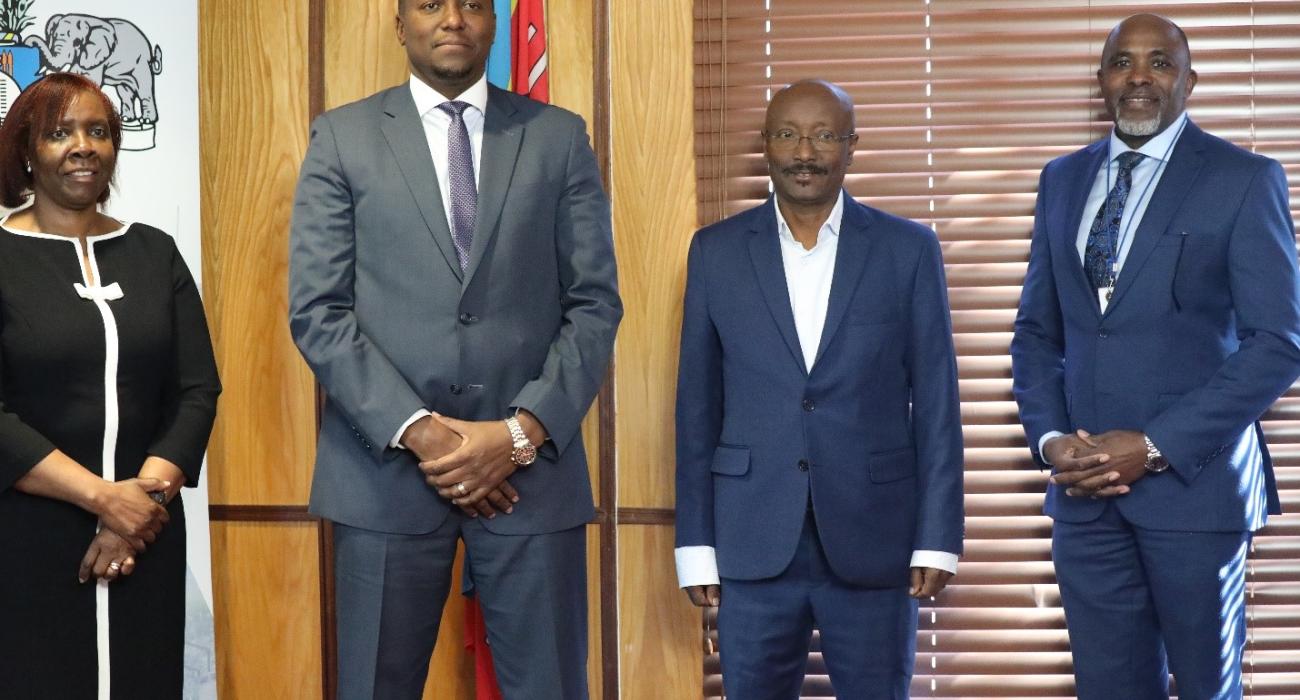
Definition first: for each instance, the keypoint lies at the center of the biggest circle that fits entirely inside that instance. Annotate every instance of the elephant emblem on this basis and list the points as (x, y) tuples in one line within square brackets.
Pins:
[(109, 51)]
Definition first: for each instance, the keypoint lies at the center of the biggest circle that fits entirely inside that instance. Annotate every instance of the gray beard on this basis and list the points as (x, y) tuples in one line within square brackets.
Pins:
[(1133, 127)]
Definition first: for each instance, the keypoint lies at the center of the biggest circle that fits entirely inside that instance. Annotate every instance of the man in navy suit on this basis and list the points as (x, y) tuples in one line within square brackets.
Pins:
[(1159, 320), (819, 450)]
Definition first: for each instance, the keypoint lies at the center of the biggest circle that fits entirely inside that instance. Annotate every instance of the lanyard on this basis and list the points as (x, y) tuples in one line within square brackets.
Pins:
[(1112, 254)]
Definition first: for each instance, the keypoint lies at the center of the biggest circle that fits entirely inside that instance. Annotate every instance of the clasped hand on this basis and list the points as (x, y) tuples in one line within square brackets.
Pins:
[(126, 508), (468, 463), (1097, 466), (129, 521)]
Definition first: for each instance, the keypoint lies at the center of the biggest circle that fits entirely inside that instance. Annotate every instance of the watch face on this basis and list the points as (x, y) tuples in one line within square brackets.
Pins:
[(524, 456)]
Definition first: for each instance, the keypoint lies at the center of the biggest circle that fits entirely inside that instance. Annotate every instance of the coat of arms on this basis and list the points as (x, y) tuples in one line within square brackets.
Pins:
[(113, 52)]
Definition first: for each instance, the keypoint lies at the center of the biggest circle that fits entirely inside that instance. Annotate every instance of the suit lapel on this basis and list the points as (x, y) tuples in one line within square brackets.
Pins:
[(1176, 181), (1078, 185), (765, 253), (850, 261), (405, 135), (502, 135)]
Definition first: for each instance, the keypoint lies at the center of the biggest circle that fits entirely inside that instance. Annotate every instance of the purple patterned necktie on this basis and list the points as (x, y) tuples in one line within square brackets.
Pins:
[(1103, 237), (460, 178)]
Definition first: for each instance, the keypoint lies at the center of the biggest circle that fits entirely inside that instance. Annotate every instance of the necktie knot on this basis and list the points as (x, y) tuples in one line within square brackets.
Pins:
[(1127, 161), (454, 108)]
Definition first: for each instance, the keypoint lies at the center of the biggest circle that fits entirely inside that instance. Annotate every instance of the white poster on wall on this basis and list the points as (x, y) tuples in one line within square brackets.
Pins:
[(144, 54)]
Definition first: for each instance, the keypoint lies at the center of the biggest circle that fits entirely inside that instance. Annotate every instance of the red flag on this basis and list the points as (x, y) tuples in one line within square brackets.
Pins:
[(528, 75), (485, 677)]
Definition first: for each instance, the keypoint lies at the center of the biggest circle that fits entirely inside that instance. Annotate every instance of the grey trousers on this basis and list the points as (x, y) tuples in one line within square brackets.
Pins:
[(390, 591)]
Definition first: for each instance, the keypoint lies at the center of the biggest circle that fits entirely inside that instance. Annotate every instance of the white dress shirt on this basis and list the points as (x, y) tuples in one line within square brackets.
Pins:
[(1146, 177), (808, 276), (435, 123)]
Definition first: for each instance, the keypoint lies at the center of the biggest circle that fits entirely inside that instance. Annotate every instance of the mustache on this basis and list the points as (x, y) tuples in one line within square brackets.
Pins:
[(1117, 99), (802, 169)]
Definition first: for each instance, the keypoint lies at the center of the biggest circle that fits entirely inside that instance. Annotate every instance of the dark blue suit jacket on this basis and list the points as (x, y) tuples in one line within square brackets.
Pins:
[(1202, 335), (876, 423)]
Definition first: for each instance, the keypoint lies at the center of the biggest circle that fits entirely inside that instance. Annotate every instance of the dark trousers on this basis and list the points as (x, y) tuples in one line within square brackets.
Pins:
[(390, 591), (1140, 603), (868, 636)]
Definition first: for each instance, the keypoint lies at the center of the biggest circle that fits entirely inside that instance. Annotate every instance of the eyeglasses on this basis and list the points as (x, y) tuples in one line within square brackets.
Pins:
[(788, 140)]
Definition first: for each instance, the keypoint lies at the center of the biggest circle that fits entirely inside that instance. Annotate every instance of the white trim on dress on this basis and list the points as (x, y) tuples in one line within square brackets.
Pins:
[(99, 294)]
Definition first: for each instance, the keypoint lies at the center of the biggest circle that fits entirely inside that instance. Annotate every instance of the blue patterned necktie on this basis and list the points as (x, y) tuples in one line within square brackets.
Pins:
[(1103, 237), (460, 179)]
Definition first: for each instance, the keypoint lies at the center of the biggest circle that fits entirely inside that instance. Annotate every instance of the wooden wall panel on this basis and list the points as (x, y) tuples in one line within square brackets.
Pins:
[(362, 55), (653, 182), (253, 116), (570, 53), (660, 657), (654, 216), (266, 590)]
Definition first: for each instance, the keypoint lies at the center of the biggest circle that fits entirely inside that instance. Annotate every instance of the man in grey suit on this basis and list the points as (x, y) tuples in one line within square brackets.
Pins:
[(453, 287)]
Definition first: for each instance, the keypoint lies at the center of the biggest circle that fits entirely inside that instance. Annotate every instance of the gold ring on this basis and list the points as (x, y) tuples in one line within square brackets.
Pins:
[(461, 488)]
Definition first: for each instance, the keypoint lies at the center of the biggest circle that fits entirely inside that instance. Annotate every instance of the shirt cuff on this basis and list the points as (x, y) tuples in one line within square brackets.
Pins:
[(396, 442), (696, 566), (1043, 441), (931, 559)]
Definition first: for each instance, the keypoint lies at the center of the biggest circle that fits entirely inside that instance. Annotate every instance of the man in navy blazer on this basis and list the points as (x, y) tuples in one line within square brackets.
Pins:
[(1159, 320), (819, 450)]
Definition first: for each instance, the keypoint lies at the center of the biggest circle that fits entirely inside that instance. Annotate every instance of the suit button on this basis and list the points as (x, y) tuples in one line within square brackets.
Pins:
[(468, 318), (808, 405), (1103, 333), (456, 389), (803, 465)]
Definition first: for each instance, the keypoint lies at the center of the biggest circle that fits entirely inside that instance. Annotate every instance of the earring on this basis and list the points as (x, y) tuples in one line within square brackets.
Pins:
[(28, 166)]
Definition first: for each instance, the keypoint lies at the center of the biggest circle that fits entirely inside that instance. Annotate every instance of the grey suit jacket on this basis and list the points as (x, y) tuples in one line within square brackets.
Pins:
[(388, 322)]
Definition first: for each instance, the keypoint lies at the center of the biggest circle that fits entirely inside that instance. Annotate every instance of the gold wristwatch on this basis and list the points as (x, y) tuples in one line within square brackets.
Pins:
[(524, 453)]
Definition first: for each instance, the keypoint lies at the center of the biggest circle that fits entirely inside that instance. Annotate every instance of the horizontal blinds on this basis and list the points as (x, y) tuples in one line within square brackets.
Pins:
[(959, 104)]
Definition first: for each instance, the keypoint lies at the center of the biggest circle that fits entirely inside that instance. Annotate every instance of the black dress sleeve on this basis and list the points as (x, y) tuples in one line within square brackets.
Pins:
[(191, 391), (21, 447)]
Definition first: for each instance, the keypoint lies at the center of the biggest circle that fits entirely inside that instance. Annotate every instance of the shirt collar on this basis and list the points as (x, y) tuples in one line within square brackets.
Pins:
[(427, 99), (831, 224), (1157, 148)]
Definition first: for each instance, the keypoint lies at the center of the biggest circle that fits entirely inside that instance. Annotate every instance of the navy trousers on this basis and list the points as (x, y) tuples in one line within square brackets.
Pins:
[(1140, 603), (868, 636)]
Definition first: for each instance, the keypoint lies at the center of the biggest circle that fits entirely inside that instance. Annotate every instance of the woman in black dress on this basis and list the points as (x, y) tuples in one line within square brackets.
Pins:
[(108, 390)]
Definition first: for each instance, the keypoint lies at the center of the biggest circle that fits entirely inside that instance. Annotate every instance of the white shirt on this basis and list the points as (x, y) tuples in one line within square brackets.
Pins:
[(808, 276), (436, 123), (1146, 177)]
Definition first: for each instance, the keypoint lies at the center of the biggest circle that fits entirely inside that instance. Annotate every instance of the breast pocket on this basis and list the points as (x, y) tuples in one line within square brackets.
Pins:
[(870, 317)]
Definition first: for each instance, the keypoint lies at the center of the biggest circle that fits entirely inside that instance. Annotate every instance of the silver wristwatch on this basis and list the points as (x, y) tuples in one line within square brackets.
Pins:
[(524, 452), (1156, 462)]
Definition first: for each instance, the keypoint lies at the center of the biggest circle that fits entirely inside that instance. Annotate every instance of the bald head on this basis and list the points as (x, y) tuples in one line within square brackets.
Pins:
[(1147, 22), (1145, 76), (820, 92)]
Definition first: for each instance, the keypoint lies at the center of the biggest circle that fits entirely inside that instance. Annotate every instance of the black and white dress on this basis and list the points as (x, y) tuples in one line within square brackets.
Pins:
[(110, 373)]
